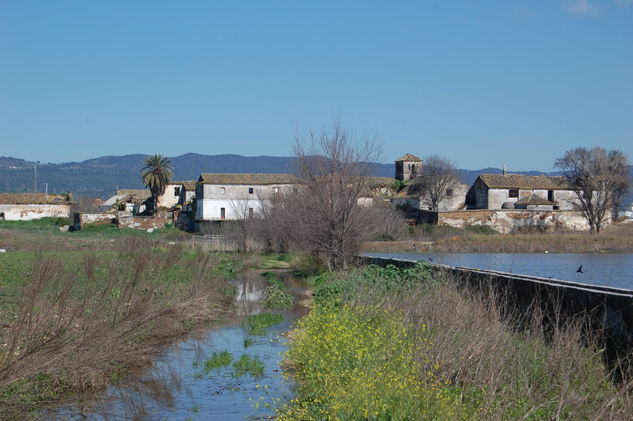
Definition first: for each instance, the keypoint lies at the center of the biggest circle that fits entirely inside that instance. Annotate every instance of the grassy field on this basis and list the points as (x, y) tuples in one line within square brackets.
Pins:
[(387, 344), (617, 238), (78, 310)]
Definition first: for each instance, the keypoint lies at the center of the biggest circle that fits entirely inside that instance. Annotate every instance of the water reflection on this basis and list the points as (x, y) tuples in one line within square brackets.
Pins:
[(176, 386)]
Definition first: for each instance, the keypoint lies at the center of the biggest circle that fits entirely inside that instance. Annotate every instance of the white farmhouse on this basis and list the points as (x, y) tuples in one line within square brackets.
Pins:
[(222, 197), (505, 191)]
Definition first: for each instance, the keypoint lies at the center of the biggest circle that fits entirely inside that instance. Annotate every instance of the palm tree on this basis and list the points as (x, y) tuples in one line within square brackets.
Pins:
[(156, 175)]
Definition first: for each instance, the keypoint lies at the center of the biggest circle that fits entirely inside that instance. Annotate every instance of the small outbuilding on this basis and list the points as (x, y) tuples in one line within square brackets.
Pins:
[(28, 206)]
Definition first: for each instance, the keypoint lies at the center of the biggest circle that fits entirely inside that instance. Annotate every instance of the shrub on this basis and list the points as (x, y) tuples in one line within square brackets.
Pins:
[(307, 265), (60, 222)]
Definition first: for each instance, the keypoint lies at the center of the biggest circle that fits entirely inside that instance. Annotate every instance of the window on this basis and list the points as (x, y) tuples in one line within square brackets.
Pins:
[(222, 214), (513, 193), (250, 190), (449, 192), (550, 195), (275, 190), (222, 190), (176, 191), (1, 216), (408, 166)]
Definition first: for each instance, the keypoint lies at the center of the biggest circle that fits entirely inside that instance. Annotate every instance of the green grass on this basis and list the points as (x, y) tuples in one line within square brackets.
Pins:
[(48, 224), (258, 324), (217, 361), (248, 365)]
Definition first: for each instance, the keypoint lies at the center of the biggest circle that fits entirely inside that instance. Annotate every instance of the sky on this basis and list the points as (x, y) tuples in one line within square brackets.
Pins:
[(482, 83)]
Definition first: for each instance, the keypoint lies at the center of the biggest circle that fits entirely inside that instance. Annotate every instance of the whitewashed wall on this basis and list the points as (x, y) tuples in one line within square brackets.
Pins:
[(169, 199), (29, 212), (235, 199), (563, 198)]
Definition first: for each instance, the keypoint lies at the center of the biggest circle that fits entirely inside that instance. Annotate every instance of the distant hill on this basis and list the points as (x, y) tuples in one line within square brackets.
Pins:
[(101, 176)]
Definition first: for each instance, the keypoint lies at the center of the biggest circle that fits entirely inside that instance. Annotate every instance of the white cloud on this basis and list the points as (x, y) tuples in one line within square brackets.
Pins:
[(581, 7)]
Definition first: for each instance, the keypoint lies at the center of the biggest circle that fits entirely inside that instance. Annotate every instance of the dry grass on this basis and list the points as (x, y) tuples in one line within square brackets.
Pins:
[(79, 324), (498, 363), (617, 238)]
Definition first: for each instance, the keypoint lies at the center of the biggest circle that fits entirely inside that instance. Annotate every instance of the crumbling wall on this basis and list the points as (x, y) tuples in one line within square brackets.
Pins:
[(81, 219), (148, 223), (35, 211), (509, 221)]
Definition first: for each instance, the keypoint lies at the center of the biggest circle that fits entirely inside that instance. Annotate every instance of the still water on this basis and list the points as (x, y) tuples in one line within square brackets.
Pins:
[(177, 387), (615, 270)]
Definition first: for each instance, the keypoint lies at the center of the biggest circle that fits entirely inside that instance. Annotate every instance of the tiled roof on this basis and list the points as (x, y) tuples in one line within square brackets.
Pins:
[(188, 184), (33, 199), (250, 179), (533, 199), (141, 194), (409, 157), (517, 181)]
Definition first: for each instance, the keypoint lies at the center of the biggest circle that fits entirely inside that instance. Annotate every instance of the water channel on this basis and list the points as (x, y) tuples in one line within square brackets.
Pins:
[(615, 270), (177, 386)]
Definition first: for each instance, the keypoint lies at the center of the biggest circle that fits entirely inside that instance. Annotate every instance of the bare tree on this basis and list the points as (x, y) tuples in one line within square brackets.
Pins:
[(622, 186), (241, 229), (438, 180), (271, 228), (325, 213), (597, 177)]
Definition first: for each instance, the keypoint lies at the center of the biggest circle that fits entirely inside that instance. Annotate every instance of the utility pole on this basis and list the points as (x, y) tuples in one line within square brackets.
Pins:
[(34, 178), (46, 185)]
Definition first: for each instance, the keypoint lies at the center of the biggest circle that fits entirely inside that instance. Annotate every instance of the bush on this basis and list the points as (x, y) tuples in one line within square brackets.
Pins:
[(307, 265), (60, 222)]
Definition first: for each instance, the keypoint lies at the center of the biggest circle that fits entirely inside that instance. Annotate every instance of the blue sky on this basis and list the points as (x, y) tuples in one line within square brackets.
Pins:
[(484, 83)]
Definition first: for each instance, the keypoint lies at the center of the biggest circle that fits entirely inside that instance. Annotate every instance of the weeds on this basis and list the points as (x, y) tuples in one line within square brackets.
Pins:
[(259, 323), (217, 361), (247, 365), (277, 297), (398, 344), (78, 318)]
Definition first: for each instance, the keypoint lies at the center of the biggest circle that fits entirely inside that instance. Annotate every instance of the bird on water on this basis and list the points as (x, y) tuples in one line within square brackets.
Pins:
[(580, 269)]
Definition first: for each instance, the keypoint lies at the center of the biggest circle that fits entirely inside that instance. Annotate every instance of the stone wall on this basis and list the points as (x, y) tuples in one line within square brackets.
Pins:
[(81, 219), (10, 212), (509, 221), (148, 223)]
